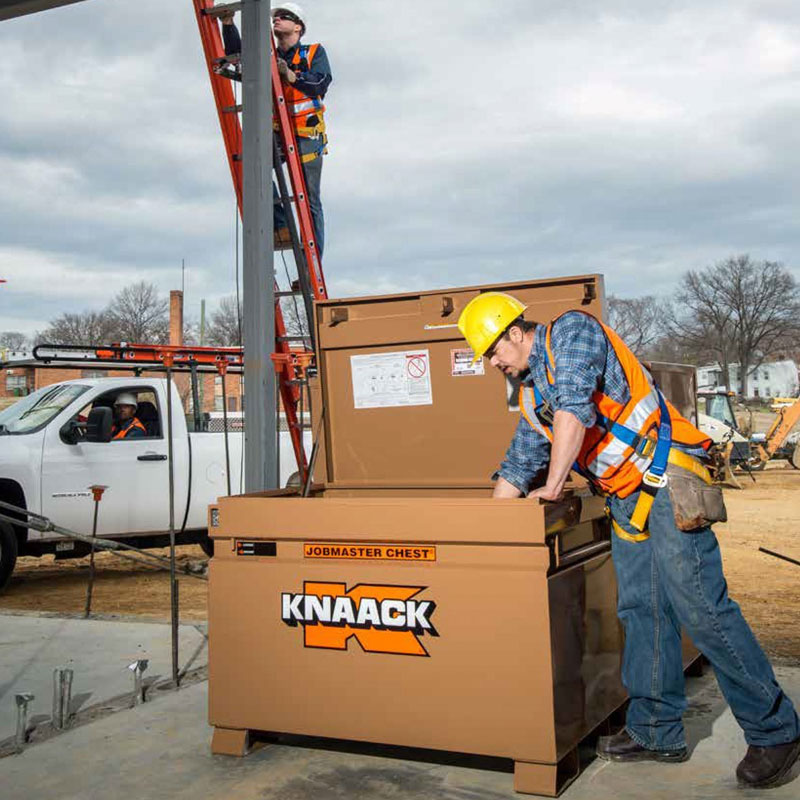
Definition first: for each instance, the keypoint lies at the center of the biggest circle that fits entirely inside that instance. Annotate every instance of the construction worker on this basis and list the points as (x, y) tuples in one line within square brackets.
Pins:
[(127, 425), (588, 404), (306, 75)]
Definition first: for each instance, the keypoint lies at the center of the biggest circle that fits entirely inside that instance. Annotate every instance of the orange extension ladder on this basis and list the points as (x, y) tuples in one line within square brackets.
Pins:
[(289, 364)]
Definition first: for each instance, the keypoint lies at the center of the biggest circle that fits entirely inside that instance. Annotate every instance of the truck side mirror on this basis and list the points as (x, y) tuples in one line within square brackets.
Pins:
[(98, 426), (70, 431)]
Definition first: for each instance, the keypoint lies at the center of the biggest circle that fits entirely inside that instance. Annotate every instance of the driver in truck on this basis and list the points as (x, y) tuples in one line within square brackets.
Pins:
[(126, 424)]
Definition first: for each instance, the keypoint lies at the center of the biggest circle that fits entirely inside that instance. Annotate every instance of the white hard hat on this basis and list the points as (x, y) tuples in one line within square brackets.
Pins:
[(126, 399), (292, 8)]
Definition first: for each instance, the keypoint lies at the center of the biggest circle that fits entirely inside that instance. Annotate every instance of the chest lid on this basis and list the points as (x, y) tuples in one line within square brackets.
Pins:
[(403, 406)]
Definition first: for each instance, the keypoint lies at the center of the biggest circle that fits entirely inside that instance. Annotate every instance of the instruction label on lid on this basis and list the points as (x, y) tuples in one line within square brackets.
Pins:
[(389, 380)]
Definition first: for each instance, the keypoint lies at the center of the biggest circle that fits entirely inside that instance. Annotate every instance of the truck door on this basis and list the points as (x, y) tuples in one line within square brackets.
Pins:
[(135, 470)]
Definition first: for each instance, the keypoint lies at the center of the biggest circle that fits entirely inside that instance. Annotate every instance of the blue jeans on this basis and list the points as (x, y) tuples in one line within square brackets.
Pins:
[(312, 170), (675, 579)]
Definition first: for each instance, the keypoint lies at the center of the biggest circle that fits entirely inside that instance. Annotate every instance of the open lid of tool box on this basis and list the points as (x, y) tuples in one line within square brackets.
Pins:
[(403, 405)]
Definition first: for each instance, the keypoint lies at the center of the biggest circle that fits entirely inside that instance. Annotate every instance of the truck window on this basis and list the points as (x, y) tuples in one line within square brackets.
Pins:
[(36, 410), (146, 409)]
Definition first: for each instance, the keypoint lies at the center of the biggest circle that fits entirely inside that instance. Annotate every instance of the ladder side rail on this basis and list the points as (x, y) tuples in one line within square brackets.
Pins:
[(222, 91), (297, 179), (297, 248)]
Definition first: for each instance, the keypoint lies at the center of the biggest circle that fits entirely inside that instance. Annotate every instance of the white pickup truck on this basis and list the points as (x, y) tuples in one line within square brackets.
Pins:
[(54, 445)]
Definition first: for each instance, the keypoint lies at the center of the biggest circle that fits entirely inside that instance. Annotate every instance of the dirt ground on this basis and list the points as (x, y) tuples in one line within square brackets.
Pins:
[(766, 514)]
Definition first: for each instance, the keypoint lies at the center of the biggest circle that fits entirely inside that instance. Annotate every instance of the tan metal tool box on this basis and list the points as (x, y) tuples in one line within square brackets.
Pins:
[(400, 604)]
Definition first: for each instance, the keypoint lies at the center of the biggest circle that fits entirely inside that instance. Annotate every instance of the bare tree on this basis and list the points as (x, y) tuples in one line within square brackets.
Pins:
[(294, 316), (86, 327), (737, 309), (764, 299), (700, 320), (140, 315), (13, 340), (224, 329), (638, 320)]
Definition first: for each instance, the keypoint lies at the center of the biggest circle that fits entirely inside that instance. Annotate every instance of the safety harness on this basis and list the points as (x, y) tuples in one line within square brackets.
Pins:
[(658, 450), (307, 113)]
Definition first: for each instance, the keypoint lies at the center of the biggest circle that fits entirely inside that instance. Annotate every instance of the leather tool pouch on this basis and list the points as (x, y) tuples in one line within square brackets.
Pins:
[(695, 504)]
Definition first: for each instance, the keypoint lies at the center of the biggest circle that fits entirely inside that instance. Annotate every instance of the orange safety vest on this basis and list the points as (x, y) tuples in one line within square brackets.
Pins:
[(613, 465), (122, 433), (304, 109)]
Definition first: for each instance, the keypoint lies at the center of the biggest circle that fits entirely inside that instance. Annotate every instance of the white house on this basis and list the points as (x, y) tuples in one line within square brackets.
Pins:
[(772, 379)]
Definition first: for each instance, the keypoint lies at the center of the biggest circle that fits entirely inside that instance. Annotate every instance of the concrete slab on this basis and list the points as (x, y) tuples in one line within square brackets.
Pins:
[(161, 749), (98, 651)]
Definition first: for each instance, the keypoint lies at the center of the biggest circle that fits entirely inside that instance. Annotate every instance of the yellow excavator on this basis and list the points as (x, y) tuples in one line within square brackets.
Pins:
[(712, 411), (777, 442)]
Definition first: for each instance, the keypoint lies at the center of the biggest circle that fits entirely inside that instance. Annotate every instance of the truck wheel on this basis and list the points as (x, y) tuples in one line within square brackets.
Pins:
[(207, 546), (794, 458), (8, 553)]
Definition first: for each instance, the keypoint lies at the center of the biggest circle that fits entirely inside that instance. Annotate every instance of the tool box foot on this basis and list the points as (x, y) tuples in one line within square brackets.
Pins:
[(230, 742), (546, 779)]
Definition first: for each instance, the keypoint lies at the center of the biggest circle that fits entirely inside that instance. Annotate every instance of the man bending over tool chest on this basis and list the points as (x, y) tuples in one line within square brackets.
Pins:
[(306, 75), (588, 404)]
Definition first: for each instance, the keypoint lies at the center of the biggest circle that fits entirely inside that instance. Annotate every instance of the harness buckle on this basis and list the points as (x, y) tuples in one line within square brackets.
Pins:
[(655, 481), (646, 447)]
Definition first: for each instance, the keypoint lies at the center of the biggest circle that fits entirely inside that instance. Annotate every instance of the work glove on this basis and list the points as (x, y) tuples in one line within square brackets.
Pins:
[(287, 76)]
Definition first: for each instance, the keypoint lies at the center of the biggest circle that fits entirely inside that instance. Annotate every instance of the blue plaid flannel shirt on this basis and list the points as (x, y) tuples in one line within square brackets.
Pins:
[(584, 362)]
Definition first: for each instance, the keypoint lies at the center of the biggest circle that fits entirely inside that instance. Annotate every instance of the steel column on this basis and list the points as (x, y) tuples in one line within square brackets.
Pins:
[(259, 273)]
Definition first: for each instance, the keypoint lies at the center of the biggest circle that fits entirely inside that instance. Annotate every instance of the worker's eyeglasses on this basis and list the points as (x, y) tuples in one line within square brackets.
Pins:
[(489, 354), (287, 15)]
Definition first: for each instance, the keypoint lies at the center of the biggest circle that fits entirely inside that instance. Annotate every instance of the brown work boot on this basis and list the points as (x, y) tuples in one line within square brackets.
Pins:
[(765, 766), (282, 239), (622, 748)]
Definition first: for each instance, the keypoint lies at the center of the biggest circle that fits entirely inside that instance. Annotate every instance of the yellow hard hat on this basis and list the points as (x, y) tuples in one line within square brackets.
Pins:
[(486, 317)]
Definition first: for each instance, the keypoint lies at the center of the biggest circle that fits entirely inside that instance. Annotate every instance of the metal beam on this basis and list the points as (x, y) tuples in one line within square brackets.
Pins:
[(18, 8), (259, 274)]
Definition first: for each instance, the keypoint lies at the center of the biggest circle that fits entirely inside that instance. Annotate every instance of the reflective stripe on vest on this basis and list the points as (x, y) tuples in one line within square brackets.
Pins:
[(134, 424), (299, 105), (614, 465)]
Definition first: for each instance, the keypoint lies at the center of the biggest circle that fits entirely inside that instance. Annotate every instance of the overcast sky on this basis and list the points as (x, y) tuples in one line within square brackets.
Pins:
[(469, 142)]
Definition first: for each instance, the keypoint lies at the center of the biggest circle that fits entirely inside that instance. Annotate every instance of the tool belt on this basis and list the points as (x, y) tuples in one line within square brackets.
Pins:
[(696, 501)]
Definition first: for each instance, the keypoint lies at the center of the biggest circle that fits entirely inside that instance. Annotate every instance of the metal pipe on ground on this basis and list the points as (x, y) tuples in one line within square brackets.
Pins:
[(62, 697), (173, 582), (22, 699), (97, 494), (44, 525), (779, 555), (137, 668)]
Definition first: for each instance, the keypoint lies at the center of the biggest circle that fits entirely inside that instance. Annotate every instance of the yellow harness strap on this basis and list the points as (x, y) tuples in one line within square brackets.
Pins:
[(641, 513)]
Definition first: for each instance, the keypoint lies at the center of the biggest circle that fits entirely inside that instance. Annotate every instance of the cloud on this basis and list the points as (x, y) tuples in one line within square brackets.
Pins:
[(469, 144)]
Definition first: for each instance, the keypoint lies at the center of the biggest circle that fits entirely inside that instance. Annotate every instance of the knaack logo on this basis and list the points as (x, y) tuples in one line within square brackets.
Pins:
[(382, 619)]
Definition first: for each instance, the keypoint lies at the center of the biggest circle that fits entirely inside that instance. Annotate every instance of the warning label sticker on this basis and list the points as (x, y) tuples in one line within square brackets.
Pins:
[(387, 552), (385, 380), (461, 363)]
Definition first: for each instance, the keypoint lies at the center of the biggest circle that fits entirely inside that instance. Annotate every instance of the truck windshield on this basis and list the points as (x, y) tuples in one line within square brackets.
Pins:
[(37, 409)]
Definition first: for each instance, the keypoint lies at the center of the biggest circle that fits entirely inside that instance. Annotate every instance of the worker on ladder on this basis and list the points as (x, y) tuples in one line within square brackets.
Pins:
[(588, 404), (306, 75)]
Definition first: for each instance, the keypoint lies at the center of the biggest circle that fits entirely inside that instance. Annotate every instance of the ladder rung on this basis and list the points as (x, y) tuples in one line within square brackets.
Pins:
[(277, 201), (293, 338), (232, 109), (286, 294), (222, 9)]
